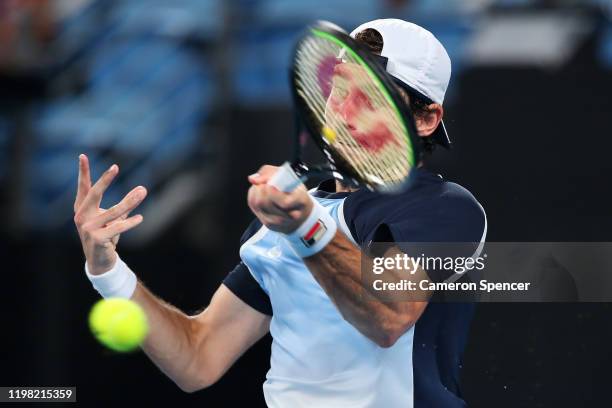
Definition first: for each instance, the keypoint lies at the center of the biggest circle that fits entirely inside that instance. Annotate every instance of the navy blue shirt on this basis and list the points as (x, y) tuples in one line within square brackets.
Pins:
[(431, 210)]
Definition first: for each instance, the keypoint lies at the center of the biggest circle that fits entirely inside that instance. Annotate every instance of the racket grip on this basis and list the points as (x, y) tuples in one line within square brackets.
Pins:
[(285, 179)]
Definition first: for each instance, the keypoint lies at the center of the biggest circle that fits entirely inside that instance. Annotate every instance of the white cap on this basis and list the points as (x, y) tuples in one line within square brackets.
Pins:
[(416, 58)]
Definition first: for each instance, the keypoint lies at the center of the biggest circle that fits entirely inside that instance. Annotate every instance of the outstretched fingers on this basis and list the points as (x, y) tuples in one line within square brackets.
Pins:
[(119, 212), (94, 196), (119, 227), (84, 183)]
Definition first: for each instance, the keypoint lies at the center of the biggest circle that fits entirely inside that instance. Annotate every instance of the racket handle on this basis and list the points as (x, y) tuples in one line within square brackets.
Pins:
[(285, 179)]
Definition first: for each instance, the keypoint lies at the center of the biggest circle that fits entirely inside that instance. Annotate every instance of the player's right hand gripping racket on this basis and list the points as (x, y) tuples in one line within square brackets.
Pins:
[(353, 111)]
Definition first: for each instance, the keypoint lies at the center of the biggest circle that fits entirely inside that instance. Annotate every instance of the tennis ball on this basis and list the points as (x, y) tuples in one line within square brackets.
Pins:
[(329, 134), (119, 324)]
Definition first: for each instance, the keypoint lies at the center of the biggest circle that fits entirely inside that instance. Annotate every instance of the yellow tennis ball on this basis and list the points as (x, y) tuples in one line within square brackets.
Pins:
[(119, 324), (329, 134)]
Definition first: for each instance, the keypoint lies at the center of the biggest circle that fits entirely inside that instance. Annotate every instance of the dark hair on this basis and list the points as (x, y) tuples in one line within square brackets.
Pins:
[(419, 105)]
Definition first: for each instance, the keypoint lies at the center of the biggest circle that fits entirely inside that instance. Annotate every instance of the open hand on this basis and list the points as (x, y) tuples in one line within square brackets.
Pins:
[(99, 229)]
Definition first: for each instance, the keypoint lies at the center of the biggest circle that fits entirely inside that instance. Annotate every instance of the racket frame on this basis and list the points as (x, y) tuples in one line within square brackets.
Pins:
[(339, 167)]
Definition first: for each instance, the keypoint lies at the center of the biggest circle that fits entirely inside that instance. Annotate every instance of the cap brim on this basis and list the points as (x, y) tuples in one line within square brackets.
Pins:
[(440, 136)]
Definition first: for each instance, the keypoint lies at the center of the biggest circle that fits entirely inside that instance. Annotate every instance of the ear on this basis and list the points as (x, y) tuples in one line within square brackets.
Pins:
[(427, 123)]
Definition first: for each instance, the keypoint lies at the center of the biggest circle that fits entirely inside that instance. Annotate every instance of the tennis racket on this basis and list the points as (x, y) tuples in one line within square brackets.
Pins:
[(353, 112)]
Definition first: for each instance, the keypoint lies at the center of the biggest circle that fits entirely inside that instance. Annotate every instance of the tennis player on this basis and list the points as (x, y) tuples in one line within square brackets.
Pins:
[(300, 275)]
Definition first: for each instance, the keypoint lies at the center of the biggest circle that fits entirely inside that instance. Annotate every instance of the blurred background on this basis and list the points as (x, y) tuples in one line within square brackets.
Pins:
[(191, 96)]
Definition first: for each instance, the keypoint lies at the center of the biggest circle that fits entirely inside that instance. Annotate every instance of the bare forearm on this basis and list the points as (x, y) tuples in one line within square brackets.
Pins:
[(195, 351), (170, 343), (337, 268)]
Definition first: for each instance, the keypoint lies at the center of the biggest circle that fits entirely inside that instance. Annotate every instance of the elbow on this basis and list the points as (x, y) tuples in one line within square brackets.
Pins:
[(388, 334), (189, 388), (197, 375), (387, 339), (195, 384)]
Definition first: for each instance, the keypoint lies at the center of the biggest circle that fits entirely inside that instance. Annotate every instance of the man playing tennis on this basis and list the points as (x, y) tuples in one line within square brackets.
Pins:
[(302, 282)]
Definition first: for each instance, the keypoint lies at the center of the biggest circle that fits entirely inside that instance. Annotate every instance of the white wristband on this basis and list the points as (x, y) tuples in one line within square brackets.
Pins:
[(120, 281), (314, 233)]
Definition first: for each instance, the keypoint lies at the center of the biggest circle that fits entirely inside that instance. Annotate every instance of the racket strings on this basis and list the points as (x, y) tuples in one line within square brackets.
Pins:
[(366, 161), (388, 165), (317, 102), (388, 157), (381, 164)]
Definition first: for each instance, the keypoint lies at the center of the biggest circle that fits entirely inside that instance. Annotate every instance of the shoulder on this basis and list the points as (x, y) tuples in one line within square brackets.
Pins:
[(458, 207), (430, 210), (455, 199)]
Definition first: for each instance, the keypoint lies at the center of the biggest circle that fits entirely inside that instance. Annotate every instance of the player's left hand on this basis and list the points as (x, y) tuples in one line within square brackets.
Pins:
[(281, 212)]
